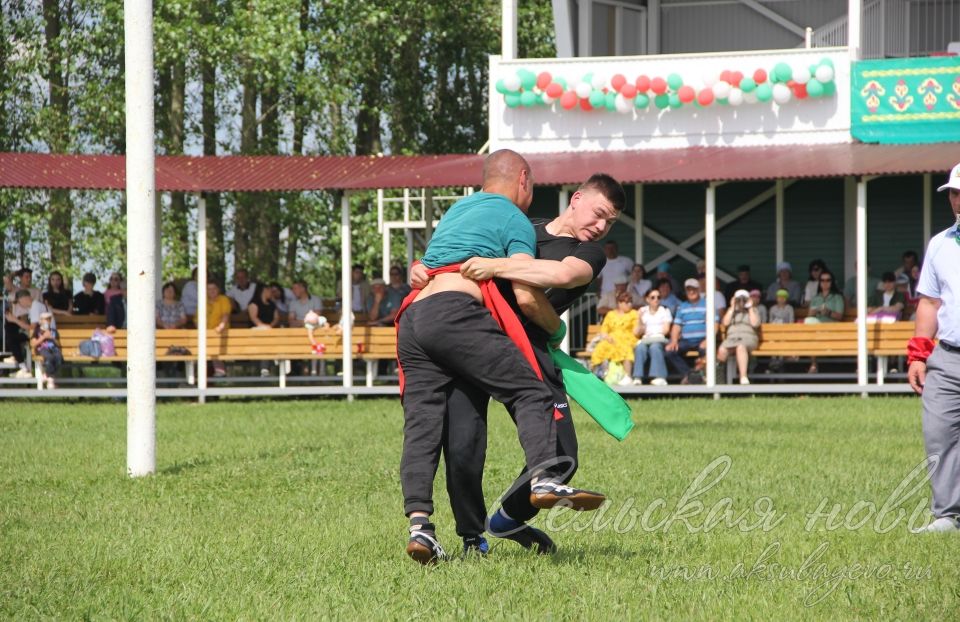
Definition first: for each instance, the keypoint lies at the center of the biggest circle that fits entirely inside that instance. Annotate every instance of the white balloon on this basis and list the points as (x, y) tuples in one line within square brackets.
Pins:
[(824, 73), (751, 97), (781, 93), (547, 99), (710, 78), (623, 106), (598, 82), (735, 98), (512, 83), (721, 90), (583, 90), (801, 75)]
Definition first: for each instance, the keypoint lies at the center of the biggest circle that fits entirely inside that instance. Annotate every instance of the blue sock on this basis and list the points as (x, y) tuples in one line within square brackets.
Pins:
[(500, 523)]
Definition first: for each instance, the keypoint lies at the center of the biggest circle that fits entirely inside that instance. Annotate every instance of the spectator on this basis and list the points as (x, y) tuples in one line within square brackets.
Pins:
[(114, 287), (911, 296), (784, 281), (886, 305), (117, 312), (850, 286), (45, 343), (398, 288), (813, 282), (782, 312), (218, 320), (741, 321), (25, 279), (279, 294), (616, 266), (611, 300), (9, 287), (826, 306), (16, 329), (719, 300), (743, 282), (381, 310), (243, 291), (761, 309), (57, 297), (262, 310), (653, 326), (689, 331), (667, 299), (170, 311), (189, 295), (302, 304), (89, 301), (639, 284), (617, 336), (910, 260), (361, 289), (663, 272)]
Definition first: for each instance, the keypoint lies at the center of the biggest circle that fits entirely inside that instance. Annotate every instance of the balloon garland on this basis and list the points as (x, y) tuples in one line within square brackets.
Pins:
[(782, 84)]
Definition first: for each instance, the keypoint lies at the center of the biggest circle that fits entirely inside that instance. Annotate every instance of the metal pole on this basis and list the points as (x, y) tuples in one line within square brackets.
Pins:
[(854, 15), (141, 244), (562, 204), (386, 253), (710, 252), (779, 222), (862, 270), (653, 27), (202, 279), (427, 215), (508, 30), (638, 223), (346, 307), (927, 210)]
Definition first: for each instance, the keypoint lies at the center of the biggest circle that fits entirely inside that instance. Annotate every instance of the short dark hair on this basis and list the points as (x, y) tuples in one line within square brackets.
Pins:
[(21, 293), (90, 277), (888, 277), (911, 254), (609, 187), (743, 268), (176, 291), (665, 281)]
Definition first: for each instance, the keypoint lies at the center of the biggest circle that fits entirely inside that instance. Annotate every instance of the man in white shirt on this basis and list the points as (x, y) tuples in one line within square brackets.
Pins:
[(934, 371), (189, 295), (615, 267), (242, 292)]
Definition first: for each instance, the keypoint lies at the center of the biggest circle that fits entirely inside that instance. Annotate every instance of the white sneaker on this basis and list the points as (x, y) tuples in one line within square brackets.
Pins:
[(744, 380), (626, 381), (659, 382), (51, 384), (637, 382), (23, 373), (264, 372), (941, 525)]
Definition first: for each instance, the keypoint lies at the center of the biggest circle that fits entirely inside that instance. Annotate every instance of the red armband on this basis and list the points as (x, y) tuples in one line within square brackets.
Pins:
[(919, 349)]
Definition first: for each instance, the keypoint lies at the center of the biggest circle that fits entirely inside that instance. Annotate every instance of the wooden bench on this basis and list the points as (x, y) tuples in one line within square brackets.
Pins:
[(592, 331)]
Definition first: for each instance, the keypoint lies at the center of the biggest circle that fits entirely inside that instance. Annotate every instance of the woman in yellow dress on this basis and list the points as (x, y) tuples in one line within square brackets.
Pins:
[(617, 340)]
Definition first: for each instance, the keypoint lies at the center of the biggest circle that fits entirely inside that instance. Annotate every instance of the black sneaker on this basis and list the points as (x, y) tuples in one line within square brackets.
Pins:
[(547, 494), (423, 545), (477, 545)]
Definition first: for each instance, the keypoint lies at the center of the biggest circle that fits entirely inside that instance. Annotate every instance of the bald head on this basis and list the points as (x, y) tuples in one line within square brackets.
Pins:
[(506, 172)]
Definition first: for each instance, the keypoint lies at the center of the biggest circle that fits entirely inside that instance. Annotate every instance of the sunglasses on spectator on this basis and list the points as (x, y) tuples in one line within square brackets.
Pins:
[(826, 280), (655, 297)]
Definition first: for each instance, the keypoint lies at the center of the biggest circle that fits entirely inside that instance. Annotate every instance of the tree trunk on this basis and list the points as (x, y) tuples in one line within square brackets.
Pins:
[(61, 207), (368, 117), (216, 255), (269, 217), (245, 223), (179, 216)]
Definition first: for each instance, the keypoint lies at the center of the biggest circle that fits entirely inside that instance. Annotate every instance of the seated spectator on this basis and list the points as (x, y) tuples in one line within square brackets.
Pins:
[(397, 288), (663, 272), (218, 320), (89, 301), (302, 304), (189, 295), (361, 289), (17, 329), (743, 282), (611, 300), (719, 300), (911, 296), (381, 310), (813, 282), (886, 305), (9, 287), (262, 310), (617, 339), (755, 300), (667, 299), (653, 328), (784, 281), (909, 260), (850, 286), (689, 331), (826, 306), (115, 286), (616, 266), (25, 281), (117, 312), (45, 343), (279, 294), (170, 311), (741, 321), (57, 297), (244, 290), (639, 284), (782, 312)]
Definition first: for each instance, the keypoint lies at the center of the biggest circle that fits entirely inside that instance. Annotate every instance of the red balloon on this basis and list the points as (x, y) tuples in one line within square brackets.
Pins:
[(800, 91), (725, 76), (759, 76), (585, 104), (568, 100), (658, 86), (643, 84), (687, 94), (736, 77), (544, 80), (554, 90), (628, 90), (705, 97), (617, 82)]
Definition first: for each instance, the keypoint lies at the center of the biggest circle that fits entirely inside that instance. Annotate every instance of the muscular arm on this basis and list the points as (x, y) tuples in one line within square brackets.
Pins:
[(535, 306), (566, 274), (926, 324)]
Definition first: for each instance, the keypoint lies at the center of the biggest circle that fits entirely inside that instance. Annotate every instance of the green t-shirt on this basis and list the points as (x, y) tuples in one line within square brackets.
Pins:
[(481, 225), (833, 302)]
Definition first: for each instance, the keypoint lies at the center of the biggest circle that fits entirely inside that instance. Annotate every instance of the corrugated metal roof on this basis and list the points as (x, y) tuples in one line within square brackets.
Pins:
[(292, 173)]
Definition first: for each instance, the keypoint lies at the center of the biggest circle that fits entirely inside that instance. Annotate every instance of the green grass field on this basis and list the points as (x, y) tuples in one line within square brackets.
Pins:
[(292, 510)]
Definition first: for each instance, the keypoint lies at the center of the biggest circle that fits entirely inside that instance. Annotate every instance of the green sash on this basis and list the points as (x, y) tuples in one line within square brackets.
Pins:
[(600, 401)]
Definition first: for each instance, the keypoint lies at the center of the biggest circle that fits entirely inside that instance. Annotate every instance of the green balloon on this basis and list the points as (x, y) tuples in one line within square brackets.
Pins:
[(641, 101), (674, 81), (814, 88), (764, 92), (596, 98), (588, 78), (528, 79), (610, 101), (661, 101), (829, 88), (561, 82), (827, 62), (722, 102), (512, 99), (528, 98), (783, 72), (501, 87), (675, 100), (747, 85)]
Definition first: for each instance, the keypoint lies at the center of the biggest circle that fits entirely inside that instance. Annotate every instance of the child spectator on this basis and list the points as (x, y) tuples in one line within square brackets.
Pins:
[(89, 301), (755, 296), (44, 341), (782, 312), (886, 305), (114, 287)]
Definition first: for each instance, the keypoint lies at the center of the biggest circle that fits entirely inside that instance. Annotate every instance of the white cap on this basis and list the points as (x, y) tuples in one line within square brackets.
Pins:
[(692, 283), (741, 293), (953, 181)]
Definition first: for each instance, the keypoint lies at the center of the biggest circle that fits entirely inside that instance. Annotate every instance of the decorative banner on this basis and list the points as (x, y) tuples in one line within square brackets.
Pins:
[(782, 83), (908, 100)]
